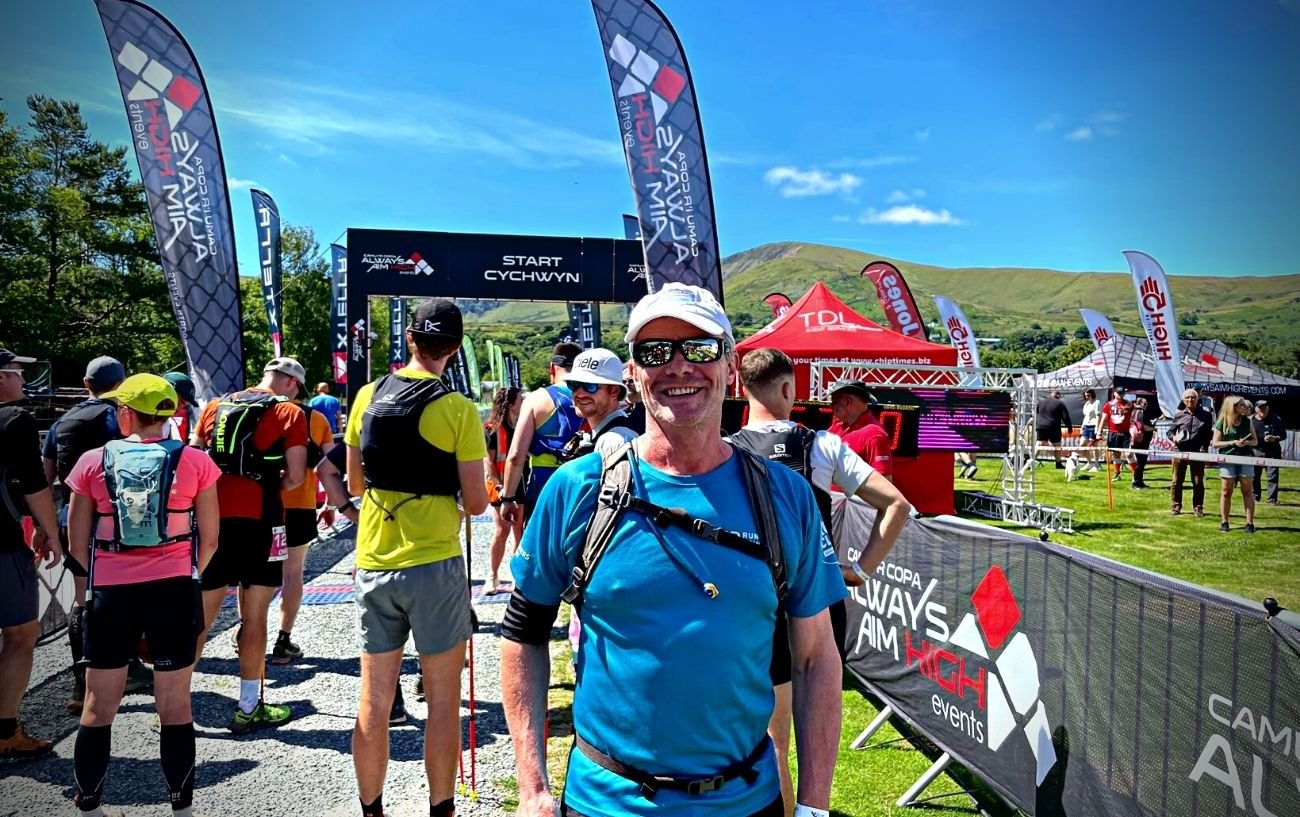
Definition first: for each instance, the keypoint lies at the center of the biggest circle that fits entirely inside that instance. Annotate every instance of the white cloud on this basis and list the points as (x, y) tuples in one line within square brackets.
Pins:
[(910, 214), (841, 219), (868, 163), (900, 196), (796, 183), (1082, 134), (321, 119), (1052, 122), (240, 184), (1107, 117), (922, 135)]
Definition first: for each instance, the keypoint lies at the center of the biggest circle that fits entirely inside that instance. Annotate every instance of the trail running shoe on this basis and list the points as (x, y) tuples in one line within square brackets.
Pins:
[(23, 745), (263, 716), (285, 651), (1250, 528), (107, 811), (1223, 527)]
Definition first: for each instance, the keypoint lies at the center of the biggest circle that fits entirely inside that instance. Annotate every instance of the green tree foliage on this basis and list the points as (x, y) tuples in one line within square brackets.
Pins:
[(78, 269), (306, 332)]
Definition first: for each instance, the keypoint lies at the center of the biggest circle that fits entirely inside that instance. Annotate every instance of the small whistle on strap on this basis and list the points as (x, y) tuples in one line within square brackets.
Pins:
[(711, 590)]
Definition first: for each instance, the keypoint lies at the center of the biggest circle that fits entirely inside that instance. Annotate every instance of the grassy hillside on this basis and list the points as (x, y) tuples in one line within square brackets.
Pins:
[(1256, 315)]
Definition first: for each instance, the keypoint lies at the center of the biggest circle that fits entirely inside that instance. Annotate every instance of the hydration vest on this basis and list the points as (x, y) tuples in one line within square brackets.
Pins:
[(82, 428), (792, 448), (138, 477), (584, 442), (566, 420), (314, 452), (232, 448), (395, 456)]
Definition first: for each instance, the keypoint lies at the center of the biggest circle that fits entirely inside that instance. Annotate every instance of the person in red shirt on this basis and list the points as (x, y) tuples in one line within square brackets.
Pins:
[(252, 517), (855, 422), (1115, 416)]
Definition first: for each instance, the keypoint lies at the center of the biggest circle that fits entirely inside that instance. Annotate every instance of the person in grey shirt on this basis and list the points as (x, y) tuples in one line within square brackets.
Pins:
[(1270, 431)]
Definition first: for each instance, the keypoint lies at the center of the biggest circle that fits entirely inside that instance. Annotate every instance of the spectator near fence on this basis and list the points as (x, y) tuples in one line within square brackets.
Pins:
[(1141, 431), (1234, 435), (1051, 416), (1115, 417), (1088, 435), (1191, 431), (1269, 432)]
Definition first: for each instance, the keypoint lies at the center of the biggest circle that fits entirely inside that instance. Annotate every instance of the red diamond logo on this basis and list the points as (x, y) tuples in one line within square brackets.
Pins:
[(669, 84), (995, 607), (415, 258), (183, 92)]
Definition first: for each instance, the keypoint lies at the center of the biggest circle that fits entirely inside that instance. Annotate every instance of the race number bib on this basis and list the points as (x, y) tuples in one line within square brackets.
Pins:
[(279, 544)]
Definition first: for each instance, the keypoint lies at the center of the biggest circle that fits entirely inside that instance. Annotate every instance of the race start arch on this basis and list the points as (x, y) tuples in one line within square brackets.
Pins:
[(423, 264)]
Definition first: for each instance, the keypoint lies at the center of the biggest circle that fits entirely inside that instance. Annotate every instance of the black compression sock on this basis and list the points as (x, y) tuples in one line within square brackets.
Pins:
[(447, 808), (75, 623), (90, 764), (284, 636), (8, 728), (176, 747), (375, 809)]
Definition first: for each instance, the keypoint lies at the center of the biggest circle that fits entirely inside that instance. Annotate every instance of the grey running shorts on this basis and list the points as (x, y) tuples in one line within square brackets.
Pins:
[(430, 600), (19, 598)]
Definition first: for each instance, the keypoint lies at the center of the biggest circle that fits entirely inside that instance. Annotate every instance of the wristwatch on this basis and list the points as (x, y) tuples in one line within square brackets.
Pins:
[(862, 574), (800, 810)]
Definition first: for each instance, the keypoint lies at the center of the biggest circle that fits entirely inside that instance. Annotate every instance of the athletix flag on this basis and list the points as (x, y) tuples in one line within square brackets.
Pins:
[(896, 299), (659, 125), (780, 303), (396, 334), (960, 335), (584, 324), (268, 258), (1099, 328), (1156, 309), (512, 369), (462, 372), (184, 178), (471, 369), (339, 292)]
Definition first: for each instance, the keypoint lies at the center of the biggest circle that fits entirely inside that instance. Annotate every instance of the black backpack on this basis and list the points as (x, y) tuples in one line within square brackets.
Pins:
[(79, 430), (236, 421), (584, 443), (615, 496), (792, 448)]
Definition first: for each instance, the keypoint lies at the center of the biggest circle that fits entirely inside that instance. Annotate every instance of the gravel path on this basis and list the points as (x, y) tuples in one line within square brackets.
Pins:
[(303, 768)]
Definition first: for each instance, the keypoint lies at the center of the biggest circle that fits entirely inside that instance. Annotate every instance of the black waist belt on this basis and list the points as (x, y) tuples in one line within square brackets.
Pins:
[(110, 545), (651, 784)]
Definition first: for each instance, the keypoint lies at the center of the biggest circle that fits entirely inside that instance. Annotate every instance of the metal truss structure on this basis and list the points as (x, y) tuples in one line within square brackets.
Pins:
[(1016, 504)]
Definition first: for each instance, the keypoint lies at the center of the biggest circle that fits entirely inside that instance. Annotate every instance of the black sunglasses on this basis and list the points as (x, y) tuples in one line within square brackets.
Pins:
[(651, 353), (589, 388)]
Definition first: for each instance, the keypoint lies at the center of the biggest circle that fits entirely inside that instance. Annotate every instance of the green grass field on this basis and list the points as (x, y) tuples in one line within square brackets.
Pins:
[(1139, 531)]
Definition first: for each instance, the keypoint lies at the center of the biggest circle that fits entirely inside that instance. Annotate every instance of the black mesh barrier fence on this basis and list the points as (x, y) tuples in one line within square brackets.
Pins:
[(1075, 685)]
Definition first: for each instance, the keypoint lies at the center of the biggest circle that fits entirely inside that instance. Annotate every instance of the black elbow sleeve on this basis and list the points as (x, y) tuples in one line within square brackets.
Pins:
[(527, 622)]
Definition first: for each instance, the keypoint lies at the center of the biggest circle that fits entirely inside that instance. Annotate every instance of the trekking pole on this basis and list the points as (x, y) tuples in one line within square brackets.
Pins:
[(473, 730), (460, 766), (1110, 483)]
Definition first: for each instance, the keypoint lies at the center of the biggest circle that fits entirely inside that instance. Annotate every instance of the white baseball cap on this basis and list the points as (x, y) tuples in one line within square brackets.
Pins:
[(289, 366), (597, 366), (692, 304)]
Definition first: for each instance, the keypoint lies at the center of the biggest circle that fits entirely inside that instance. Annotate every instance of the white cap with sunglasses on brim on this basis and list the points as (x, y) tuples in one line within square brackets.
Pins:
[(692, 304), (596, 366)]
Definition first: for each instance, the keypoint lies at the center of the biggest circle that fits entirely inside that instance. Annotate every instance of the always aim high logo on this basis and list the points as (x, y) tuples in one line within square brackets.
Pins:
[(984, 673)]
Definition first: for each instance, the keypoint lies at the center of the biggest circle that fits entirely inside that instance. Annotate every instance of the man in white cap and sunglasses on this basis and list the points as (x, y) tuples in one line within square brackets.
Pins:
[(596, 382), (701, 547)]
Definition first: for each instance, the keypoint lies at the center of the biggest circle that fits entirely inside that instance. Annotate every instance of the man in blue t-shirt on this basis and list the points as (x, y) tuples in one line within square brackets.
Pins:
[(673, 675), (327, 404)]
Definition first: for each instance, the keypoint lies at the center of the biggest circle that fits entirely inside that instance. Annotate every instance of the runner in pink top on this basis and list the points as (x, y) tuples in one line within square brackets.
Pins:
[(140, 589), (195, 474)]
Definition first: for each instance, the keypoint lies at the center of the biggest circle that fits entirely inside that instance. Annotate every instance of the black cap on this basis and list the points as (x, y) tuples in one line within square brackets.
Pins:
[(855, 387), (7, 357), (439, 318)]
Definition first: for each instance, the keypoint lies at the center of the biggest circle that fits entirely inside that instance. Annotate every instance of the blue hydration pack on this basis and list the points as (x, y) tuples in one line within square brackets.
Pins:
[(139, 480)]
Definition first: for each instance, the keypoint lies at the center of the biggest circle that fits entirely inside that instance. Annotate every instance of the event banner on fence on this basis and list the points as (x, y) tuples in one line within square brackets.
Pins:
[(176, 145), (1075, 685), (1099, 326), (896, 299), (659, 123), (1156, 309), (268, 259), (339, 294)]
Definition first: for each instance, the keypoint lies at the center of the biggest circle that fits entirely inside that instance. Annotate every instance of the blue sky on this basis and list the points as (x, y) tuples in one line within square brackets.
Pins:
[(952, 133)]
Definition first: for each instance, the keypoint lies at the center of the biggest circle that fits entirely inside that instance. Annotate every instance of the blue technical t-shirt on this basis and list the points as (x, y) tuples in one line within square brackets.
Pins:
[(668, 680), (328, 405)]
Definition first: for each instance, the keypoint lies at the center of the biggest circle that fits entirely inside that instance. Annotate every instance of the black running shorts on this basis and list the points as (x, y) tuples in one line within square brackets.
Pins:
[(241, 557), (300, 526), (168, 613)]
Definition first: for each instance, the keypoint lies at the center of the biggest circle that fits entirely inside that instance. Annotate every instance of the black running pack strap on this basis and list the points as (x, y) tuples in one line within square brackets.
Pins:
[(6, 499), (652, 784), (615, 496)]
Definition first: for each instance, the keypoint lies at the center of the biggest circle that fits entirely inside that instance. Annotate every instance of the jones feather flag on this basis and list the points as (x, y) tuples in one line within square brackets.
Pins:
[(339, 318), (1156, 309), (896, 299), (659, 124), (268, 259), (779, 302), (960, 335), (175, 140), (1099, 328), (396, 334)]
